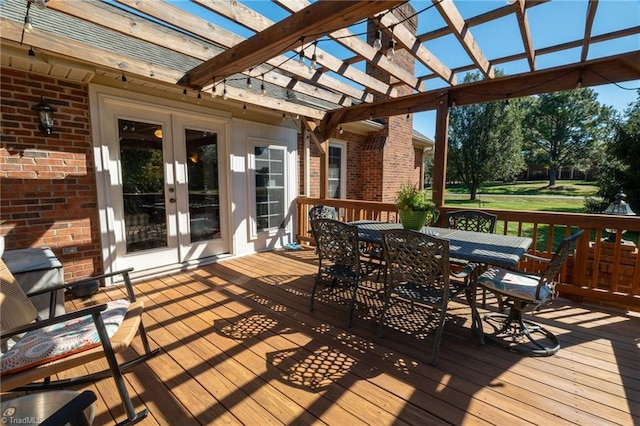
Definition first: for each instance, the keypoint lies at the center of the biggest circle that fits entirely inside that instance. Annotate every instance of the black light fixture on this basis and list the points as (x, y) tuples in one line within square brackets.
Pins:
[(45, 117), (619, 207)]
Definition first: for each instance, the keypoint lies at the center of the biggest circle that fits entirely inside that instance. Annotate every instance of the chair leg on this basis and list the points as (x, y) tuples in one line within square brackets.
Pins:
[(515, 333), (313, 291), (132, 416)]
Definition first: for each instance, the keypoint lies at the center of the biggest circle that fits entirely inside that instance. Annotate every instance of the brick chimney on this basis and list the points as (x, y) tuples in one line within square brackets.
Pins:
[(389, 159)]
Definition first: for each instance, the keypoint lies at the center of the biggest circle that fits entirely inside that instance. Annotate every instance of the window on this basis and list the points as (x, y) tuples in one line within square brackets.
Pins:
[(337, 170), (270, 187)]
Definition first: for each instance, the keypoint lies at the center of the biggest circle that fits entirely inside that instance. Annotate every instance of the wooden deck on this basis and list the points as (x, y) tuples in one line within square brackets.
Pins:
[(241, 347)]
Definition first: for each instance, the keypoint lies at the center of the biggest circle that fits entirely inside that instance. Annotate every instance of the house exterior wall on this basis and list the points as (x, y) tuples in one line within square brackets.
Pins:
[(47, 183), (49, 186)]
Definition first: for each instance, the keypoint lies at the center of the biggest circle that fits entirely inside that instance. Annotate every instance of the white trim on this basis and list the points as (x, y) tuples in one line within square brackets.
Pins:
[(337, 143)]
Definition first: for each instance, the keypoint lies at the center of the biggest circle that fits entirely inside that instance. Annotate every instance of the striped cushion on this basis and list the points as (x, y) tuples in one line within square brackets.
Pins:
[(518, 285), (57, 341)]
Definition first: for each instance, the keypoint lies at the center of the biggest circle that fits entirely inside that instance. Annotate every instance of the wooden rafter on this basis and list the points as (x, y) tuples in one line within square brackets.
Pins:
[(314, 21), (175, 16), (591, 14), (593, 73), (132, 66), (525, 33), (256, 22), (422, 54), (462, 32), (362, 49)]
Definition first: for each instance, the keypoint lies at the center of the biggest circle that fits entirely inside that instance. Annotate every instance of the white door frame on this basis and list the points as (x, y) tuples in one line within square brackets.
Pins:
[(174, 117)]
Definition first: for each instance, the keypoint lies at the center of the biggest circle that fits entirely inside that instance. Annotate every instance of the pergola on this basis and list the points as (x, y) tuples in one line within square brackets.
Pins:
[(336, 90)]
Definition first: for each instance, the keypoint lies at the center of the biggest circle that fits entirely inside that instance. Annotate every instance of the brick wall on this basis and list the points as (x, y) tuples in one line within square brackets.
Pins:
[(400, 162), (47, 183)]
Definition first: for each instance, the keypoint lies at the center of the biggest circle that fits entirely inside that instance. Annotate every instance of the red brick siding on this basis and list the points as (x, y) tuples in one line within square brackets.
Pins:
[(48, 183)]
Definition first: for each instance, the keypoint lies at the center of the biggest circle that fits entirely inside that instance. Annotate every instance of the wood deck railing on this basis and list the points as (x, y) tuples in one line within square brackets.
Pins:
[(599, 271)]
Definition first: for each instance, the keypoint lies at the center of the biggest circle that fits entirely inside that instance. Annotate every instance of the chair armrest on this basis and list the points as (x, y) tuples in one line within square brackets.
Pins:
[(62, 318), (536, 258)]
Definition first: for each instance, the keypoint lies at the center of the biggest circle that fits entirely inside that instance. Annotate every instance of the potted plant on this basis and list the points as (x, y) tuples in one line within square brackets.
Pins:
[(415, 207)]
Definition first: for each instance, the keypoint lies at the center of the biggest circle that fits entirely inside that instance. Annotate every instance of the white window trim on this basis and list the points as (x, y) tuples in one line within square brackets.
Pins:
[(343, 165), (251, 162)]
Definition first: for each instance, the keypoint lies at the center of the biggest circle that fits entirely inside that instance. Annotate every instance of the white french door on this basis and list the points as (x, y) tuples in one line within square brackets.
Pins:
[(165, 194)]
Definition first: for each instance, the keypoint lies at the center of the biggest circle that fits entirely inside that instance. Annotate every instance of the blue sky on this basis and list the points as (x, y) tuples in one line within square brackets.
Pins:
[(551, 23)]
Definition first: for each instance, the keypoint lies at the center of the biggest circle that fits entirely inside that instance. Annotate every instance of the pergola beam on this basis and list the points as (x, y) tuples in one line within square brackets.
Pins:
[(312, 22), (616, 68)]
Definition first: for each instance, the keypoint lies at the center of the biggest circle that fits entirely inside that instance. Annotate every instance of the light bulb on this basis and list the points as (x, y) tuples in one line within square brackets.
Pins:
[(125, 83), (263, 91), (40, 4), (391, 51), (225, 96), (248, 83), (199, 98), (244, 108), (314, 62), (284, 117), (301, 57), (213, 91), (28, 26), (341, 130), (184, 93), (32, 55), (377, 43)]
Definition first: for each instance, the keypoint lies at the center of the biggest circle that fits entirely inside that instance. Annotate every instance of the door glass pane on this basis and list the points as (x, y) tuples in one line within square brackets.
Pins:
[(269, 170), (204, 194), (142, 185), (335, 172)]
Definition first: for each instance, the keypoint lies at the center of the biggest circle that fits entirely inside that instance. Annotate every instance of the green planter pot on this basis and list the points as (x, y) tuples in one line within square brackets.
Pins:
[(415, 220)]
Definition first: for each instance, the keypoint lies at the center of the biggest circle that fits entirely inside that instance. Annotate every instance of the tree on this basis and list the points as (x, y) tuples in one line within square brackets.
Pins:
[(485, 142), (566, 128), (622, 168)]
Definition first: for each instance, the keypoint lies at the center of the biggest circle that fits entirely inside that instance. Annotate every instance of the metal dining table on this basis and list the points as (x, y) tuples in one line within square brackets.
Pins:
[(476, 247)]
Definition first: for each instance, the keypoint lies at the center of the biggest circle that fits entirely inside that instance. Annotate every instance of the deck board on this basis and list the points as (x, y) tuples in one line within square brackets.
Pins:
[(240, 346)]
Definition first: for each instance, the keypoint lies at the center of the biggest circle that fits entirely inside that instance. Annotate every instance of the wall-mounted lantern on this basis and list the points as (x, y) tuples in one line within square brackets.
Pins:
[(45, 117), (619, 207)]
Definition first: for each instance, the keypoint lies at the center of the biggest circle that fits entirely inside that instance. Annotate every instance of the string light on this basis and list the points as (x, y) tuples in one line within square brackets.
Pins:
[(249, 83), (125, 83), (377, 42), (314, 58), (284, 117), (184, 93), (391, 51), (301, 55), (225, 95), (263, 90), (28, 24), (341, 130), (32, 55), (244, 108), (199, 97)]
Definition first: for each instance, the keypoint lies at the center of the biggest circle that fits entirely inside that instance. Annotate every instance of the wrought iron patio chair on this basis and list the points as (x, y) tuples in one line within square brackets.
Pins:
[(520, 289), (417, 271), (338, 258), (477, 221), (42, 349), (323, 212)]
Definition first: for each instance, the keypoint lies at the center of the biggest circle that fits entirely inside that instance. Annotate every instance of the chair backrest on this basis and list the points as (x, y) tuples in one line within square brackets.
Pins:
[(337, 241), (16, 308), (323, 212), (472, 220), (567, 247), (417, 258)]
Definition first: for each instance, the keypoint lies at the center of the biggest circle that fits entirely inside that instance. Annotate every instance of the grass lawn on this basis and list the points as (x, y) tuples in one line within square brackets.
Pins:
[(566, 196)]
